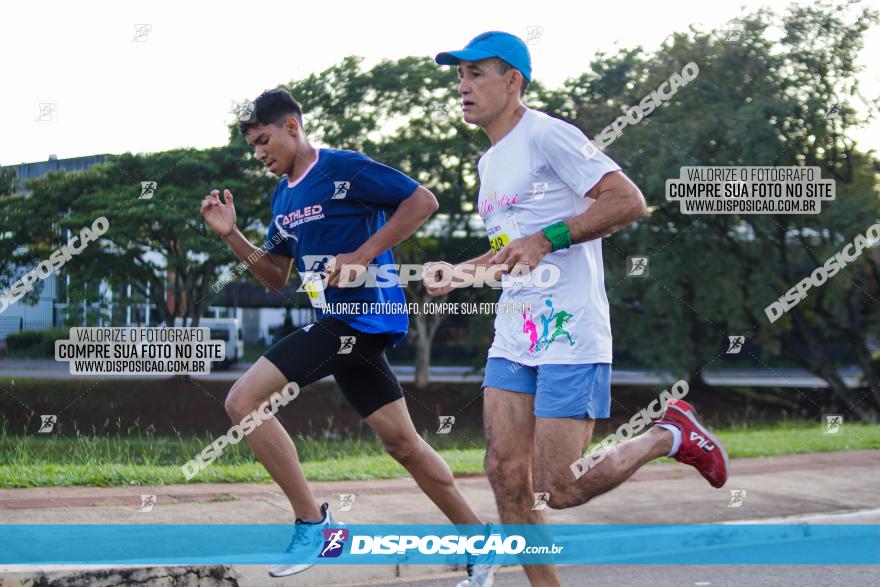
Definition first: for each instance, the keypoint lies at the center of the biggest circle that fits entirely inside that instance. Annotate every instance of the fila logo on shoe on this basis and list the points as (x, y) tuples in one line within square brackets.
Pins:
[(702, 442)]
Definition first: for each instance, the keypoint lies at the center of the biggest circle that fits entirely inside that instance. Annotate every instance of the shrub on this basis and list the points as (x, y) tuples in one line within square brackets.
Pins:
[(34, 343)]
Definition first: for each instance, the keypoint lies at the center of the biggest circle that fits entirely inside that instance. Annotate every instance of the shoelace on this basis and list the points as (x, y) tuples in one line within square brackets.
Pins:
[(300, 536)]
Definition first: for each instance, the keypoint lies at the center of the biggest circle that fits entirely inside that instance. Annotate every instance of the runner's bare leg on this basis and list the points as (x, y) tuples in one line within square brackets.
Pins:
[(394, 426), (270, 442), (509, 421)]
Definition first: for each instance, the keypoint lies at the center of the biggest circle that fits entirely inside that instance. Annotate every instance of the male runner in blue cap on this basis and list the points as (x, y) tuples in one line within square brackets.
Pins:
[(548, 196), (329, 209)]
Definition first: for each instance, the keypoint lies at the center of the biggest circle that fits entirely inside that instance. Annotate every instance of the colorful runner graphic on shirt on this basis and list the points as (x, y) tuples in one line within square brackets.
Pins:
[(553, 323), (530, 327)]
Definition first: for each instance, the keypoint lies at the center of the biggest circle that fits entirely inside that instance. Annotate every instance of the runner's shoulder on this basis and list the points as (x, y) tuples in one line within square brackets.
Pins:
[(336, 157), (345, 164), (543, 125)]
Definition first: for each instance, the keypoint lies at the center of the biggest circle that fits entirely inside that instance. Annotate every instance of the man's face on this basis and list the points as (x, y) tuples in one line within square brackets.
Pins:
[(484, 91), (275, 146)]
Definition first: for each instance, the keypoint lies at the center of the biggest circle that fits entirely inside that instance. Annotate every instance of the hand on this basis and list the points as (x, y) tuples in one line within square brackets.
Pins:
[(438, 272), (355, 261), (219, 216), (528, 250)]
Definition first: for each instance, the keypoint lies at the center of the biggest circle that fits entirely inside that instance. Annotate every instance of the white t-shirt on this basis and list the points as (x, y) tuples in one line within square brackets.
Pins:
[(535, 175)]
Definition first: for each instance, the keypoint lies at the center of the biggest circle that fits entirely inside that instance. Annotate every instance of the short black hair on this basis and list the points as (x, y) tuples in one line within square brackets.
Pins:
[(270, 107), (504, 67)]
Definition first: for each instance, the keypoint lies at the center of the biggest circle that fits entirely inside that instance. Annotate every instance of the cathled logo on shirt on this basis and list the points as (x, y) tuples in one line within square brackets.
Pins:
[(284, 222), (281, 231)]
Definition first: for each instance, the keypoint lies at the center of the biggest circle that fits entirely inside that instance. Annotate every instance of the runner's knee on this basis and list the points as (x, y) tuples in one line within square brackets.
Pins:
[(403, 447), (235, 409), (503, 470), (561, 499), (237, 404), (560, 484)]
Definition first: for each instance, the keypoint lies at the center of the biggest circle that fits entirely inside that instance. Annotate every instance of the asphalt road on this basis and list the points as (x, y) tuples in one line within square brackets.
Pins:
[(680, 576), (817, 488)]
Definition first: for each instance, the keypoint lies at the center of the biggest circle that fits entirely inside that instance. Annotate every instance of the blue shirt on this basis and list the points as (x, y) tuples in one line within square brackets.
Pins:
[(334, 208)]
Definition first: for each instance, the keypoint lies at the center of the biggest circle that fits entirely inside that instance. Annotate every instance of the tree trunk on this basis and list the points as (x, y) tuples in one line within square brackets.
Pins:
[(423, 353), (820, 366), (426, 329), (872, 378)]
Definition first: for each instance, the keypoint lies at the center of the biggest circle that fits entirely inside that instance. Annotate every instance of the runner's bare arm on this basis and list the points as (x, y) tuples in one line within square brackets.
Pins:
[(485, 260), (411, 213), (271, 269), (409, 216), (482, 259), (618, 203), (435, 272), (284, 264)]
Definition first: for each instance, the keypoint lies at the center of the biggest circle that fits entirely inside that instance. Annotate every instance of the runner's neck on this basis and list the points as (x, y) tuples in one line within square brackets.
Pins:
[(302, 164), (504, 124)]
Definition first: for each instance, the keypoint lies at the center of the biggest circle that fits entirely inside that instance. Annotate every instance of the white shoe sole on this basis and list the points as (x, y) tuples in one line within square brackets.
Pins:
[(287, 573)]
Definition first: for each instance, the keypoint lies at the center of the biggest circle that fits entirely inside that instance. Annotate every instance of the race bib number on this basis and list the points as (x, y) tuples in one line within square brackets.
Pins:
[(501, 228), (314, 288)]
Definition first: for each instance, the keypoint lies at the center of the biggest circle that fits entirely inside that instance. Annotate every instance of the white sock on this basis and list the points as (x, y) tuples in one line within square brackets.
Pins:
[(676, 437)]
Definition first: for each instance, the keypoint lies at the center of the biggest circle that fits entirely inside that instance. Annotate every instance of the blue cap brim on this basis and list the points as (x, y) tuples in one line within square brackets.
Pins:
[(453, 57)]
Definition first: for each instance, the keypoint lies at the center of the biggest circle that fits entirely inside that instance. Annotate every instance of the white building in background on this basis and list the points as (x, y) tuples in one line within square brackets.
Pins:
[(50, 307)]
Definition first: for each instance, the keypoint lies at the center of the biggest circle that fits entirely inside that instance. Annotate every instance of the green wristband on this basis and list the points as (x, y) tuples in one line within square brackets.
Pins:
[(558, 235)]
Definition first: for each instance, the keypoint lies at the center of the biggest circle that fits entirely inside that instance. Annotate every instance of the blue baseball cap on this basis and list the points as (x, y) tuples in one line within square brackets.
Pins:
[(504, 46)]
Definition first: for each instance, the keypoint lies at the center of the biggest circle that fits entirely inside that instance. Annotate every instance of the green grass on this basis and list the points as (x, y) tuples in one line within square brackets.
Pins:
[(139, 458), (802, 438)]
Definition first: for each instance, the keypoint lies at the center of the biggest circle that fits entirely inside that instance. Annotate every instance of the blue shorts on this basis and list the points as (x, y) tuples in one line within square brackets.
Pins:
[(561, 391)]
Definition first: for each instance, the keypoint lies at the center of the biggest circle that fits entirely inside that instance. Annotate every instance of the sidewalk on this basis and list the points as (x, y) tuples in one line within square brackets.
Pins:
[(777, 487), (753, 377)]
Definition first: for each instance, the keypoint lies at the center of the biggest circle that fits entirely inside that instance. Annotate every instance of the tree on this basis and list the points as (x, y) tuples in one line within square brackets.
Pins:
[(755, 102), (158, 245)]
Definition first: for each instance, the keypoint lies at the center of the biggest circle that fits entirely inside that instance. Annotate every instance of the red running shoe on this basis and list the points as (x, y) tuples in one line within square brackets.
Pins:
[(699, 447)]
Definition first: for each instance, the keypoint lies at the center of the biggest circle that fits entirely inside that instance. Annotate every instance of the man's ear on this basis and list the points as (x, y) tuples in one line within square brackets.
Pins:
[(515, 81), (292, 125)]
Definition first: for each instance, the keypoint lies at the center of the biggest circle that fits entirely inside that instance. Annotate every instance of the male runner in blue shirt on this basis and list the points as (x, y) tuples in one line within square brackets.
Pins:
[(330, 207)]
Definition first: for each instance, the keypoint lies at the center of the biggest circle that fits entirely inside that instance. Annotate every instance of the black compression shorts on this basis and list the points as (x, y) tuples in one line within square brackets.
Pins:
[(354, 358)]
